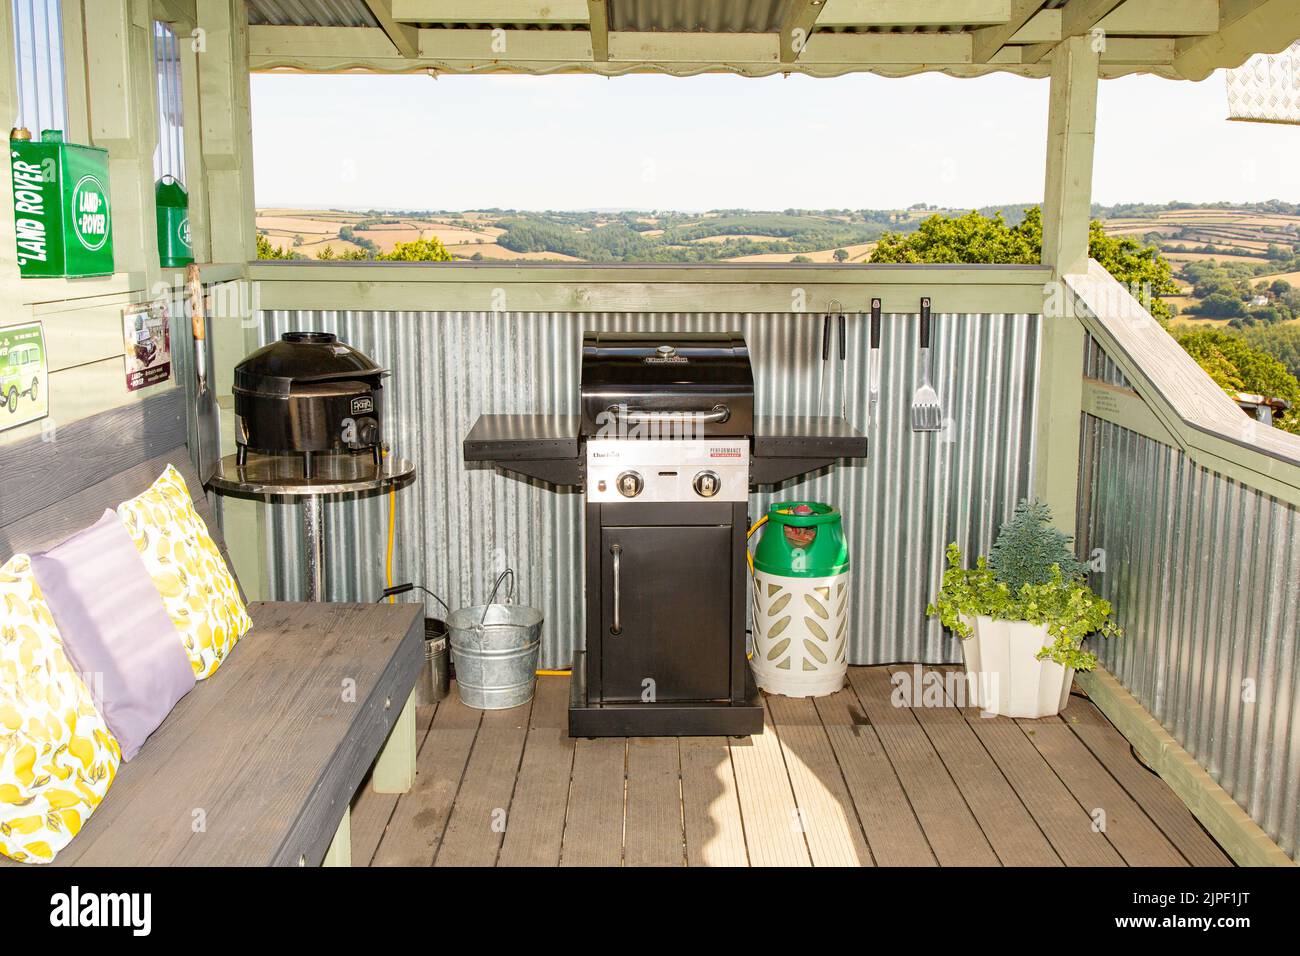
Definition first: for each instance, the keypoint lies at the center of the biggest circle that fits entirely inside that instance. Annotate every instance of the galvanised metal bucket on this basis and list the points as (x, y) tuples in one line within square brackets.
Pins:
[(494, 648)]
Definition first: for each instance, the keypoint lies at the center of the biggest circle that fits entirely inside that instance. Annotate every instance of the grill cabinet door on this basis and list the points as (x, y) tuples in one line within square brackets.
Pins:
[(674, 613)]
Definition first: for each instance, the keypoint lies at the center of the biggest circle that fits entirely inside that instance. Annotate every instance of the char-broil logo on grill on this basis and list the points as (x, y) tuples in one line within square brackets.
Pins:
[(363, 405), (665, 355), (724, 452)]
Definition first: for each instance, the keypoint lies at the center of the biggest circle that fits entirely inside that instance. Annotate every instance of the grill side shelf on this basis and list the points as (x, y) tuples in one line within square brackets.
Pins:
[(545, 447), (807, 437)]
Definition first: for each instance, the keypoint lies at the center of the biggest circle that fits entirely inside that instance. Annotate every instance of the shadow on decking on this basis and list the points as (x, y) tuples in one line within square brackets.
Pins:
[(844, 780)]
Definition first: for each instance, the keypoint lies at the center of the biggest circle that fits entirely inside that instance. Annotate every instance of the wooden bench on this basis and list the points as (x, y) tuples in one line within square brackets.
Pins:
[(258, 764)]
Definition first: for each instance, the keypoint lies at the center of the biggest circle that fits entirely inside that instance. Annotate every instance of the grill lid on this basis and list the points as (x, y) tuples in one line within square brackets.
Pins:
[(701, 378), (300, 357)]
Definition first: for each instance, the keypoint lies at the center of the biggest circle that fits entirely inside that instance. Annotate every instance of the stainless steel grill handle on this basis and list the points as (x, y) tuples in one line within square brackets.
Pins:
[(616, 550), (637, 416)]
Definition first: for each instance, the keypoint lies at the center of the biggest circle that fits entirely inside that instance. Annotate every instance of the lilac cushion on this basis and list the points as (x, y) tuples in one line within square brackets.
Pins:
[(115, 629)]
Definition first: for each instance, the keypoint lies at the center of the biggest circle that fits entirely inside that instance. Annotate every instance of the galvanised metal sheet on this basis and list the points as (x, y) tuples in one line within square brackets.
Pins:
[(308, 13), (458, 525), (1204, 574), (1097, 364), (691, 16), (41, 94)]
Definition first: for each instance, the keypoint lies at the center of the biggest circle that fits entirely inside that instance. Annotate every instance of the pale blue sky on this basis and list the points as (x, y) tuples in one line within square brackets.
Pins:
[(717, 141)]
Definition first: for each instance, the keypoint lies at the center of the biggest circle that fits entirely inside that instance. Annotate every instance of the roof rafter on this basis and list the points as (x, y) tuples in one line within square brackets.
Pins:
[(404, 37), (797, 27), (598, 12), (987, 41), (1077, 18), (1134, 18)]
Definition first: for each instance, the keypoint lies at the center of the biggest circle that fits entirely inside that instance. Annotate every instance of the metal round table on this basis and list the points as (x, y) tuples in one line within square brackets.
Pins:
[(281, 477)]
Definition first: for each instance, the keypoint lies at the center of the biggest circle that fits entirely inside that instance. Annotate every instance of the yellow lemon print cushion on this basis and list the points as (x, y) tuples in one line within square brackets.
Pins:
[(57, 756), (197, 588)]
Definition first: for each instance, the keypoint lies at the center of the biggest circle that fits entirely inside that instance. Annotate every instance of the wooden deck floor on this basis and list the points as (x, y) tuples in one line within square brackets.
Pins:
[(844, 780)]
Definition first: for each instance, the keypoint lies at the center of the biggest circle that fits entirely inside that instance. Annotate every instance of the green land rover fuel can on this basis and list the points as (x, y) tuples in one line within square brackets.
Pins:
[(173, 206), (63, 221), (801, 601)]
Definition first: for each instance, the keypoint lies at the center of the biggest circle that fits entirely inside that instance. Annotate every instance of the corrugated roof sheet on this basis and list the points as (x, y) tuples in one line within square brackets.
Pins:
[(691, 16), (310, 13)]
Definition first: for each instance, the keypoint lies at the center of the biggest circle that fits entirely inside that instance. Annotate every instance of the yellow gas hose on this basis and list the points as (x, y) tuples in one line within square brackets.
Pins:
[(749, 557), (392, 523), (749, 534)]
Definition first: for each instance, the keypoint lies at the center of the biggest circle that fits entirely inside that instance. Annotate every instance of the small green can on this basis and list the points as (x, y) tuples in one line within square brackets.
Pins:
[(63, 221), (173, 205)]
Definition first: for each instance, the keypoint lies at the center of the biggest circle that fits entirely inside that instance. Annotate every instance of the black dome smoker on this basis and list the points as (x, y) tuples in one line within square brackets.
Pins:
[(306, 394)]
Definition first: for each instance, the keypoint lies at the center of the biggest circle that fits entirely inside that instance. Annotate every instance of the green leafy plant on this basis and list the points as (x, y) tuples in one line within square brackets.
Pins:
[(1019, 589), (1028, 545)]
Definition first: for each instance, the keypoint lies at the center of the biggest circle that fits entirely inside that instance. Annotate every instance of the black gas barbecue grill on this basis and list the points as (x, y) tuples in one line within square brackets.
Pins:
[(666, 447)]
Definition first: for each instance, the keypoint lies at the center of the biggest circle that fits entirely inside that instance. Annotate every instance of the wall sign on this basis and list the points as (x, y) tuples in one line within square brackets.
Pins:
[(147, 334), (24, 375)]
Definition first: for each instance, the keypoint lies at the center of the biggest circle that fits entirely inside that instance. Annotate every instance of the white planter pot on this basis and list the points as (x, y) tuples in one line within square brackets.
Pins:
[(1003, 674)]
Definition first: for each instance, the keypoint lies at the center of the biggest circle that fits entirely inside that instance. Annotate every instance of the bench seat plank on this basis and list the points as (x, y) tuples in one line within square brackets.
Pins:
[(256, 765)]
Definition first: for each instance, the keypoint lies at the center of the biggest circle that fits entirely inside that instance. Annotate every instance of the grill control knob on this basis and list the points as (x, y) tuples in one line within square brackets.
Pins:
[(629, 484), (706, 484)]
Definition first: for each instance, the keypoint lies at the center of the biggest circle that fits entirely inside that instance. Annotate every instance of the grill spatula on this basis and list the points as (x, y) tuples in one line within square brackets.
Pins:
[(927, 414)]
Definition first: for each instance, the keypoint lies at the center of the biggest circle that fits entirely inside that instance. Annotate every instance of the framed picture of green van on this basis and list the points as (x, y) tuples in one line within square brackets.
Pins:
[(24, 375)]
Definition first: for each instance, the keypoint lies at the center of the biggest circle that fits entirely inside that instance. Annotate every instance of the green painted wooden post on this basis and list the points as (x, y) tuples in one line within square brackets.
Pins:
[(1072, 117), (123, 120), (395, 769), (226, 133)]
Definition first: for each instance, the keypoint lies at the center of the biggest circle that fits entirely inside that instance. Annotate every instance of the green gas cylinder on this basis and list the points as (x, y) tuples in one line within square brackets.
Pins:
[(173, 207), (801, 601)]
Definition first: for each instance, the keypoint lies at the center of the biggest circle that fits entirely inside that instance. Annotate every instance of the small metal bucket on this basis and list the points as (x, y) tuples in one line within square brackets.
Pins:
[(495, 649), (435, 677)]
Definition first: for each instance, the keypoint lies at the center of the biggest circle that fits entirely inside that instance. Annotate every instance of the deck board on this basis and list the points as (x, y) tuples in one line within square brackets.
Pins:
[(593, 829), (1159, 802), (415, 829), (950, 827), (767, 805), (894, 835), (848, 779), (372, 810), (1010, 830), (653, 829), (482, 811), (1129, 830), (826, 812), (715, 835)]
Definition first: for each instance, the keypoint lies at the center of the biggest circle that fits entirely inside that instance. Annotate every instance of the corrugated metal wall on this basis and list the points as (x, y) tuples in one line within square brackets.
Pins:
[(1204, 574), (38, 51), (169, 154), (456, 525)]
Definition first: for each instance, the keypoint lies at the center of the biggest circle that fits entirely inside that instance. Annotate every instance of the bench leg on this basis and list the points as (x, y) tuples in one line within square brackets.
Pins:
[(395, 769), (340, 851)]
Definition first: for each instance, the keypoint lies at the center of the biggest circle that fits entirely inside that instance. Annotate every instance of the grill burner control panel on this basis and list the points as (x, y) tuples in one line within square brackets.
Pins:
[(664, 471)]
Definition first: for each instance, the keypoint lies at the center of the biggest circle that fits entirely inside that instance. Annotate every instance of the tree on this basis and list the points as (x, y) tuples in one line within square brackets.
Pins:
[(840, 255), (419, 250), (265, 249), (977, 238), (1280, 341), (1238, 366)]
